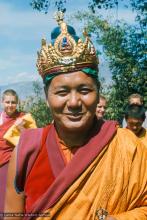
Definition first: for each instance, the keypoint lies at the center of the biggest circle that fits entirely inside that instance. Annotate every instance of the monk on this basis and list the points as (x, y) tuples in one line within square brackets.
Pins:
[(135, 116), (9, 118), (136, 98), (78, 167)]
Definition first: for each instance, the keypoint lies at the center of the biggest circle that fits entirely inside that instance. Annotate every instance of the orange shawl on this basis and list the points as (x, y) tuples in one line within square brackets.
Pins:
[(116, 181)]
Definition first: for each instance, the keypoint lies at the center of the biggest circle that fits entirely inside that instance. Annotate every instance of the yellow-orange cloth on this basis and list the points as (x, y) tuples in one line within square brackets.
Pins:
[(142, 136), (116, 181), (67, 152), (13, 134)]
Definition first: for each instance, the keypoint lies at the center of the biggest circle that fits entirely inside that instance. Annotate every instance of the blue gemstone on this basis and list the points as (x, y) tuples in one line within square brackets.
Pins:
[(64, 41)]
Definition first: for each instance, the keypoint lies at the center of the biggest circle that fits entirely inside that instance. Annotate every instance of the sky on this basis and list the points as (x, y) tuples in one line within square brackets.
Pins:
[(21, 31)]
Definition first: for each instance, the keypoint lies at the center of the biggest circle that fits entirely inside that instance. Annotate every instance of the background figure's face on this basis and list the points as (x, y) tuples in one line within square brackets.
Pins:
[(9, 103), (134, 125), (72, 98), (135, 101), (101, 108)]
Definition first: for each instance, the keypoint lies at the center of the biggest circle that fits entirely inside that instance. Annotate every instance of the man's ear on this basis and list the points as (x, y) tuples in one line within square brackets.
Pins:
[(46, 93)]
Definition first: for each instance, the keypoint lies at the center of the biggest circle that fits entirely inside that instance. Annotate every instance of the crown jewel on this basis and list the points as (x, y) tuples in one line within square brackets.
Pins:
[(67, 53)]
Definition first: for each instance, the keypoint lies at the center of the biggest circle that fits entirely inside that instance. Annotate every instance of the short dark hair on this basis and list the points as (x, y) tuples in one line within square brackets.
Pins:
[(10, 92), (135, 111)]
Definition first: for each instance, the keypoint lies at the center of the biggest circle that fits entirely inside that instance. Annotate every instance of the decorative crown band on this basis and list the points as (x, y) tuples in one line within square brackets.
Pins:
[(66, 54)]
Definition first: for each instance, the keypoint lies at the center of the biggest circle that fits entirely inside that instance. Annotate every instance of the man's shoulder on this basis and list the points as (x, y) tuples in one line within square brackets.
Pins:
[(127, 146), (126, 135), (127, 140)]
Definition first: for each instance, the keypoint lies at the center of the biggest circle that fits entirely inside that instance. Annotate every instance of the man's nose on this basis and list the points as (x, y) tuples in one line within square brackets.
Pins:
[(74, 100)]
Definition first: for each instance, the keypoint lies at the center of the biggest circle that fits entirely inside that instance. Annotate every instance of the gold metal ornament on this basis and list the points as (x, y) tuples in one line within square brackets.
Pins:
[(66, 54), (101, 214)]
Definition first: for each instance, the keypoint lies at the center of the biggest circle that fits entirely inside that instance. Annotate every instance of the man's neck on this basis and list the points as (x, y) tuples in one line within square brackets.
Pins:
[(72, 141), (74, 138)]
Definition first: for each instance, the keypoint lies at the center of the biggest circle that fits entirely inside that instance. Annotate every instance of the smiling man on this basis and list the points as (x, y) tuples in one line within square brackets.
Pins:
[(78, 167)]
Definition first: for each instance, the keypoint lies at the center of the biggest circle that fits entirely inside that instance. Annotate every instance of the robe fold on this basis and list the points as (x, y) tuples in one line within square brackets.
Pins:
[(143, 136), (108, 172), (6, 147), (13, 133)]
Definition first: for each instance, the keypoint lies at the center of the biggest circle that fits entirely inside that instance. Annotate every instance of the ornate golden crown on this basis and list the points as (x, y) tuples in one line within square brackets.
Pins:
[(66, 55)]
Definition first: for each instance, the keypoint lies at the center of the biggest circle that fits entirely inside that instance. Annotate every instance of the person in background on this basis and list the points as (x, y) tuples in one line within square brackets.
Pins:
[(135, 116), (11, 122), (78, 167), (136, 98), (101, 107)]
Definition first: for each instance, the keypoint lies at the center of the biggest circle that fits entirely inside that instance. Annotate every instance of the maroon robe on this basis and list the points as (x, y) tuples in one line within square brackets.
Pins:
[(6, 149), (35, 167)]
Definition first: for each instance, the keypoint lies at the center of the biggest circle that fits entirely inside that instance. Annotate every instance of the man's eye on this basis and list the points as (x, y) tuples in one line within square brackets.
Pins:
[(61, 93), (85, 91)]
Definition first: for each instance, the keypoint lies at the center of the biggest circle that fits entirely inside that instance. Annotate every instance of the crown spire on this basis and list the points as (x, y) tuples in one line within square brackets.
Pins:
[(59, 16)]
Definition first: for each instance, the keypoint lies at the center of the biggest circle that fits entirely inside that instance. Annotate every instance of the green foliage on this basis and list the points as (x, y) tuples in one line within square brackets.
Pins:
[(138, 5), (37, 106), (43, 5), (124, 45), (93, 4), (125, 48)]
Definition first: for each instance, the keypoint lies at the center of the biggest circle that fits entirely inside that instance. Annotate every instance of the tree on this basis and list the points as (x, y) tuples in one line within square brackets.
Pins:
[(43, 5), (37, 106), (124, 46)]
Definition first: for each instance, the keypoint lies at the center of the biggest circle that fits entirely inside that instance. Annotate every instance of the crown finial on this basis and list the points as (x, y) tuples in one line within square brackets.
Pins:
[(59, 16)]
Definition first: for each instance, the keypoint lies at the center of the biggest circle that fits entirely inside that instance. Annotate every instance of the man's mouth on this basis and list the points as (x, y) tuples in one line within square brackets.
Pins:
[(74, 116)]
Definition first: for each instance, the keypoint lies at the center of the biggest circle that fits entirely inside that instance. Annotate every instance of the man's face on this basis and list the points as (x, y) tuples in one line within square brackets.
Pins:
[(134, 125), (72, 98), (9, 103), (101, 108)]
